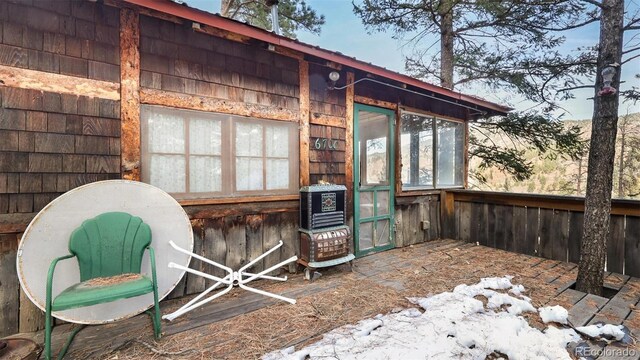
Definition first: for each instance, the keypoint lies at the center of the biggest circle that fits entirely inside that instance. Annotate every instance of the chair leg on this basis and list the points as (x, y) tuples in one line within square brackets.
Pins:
[(73, 334), (157, 322), (47, 332)]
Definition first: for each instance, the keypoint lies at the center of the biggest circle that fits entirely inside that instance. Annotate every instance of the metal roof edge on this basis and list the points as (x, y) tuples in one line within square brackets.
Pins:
[(217, 21)]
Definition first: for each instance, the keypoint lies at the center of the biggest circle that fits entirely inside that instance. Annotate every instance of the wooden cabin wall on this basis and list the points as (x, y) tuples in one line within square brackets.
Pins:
[(53, 142), (70, 114), (178, 63), (417, 219), (328, 121), (234, 235), (175, 58), (59, 120)]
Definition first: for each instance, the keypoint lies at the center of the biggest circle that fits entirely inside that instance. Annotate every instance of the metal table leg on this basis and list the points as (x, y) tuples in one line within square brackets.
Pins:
[(233, 279)]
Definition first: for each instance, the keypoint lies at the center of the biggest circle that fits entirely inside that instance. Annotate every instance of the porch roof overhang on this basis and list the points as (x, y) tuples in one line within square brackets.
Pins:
[(233, 26)]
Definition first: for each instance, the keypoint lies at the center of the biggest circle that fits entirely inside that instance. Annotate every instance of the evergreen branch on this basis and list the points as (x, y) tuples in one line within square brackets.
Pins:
[(594, 2), (629, 59), (576, 88), (631, 25), (631, 50)]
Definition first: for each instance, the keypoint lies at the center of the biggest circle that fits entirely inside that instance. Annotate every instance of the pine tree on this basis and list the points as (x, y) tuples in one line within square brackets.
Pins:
[(510, 45), (597, 210), (294, 15)]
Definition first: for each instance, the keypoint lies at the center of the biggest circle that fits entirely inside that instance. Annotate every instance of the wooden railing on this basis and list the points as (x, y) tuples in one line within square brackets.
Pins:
[(543, 225)]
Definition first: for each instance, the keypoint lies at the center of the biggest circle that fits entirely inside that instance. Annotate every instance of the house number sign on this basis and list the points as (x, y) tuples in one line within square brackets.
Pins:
[(325, 144)]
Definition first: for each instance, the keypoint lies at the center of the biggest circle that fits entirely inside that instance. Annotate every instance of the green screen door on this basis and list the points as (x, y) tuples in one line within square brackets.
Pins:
[(373, 179)]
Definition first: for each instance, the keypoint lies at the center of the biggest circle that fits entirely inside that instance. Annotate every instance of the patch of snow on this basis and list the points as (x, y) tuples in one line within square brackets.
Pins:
[(367, 327), (516, 306), (554, 314), (495, 299), (517, 289), (453, 325), (609, 330)]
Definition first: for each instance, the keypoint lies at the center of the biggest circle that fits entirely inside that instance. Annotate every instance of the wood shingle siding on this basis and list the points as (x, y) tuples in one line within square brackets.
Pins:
[(178, 59), (78, 38), (54, 142)]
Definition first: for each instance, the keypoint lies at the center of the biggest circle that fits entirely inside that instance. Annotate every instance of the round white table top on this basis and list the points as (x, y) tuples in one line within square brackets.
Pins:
[(47, 237)]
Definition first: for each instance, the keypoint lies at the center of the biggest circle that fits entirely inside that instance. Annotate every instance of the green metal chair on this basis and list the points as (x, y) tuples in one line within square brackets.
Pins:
[(107, 247)]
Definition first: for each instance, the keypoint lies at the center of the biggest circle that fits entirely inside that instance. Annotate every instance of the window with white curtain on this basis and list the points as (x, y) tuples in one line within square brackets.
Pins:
[(432, 151), (194, 154)]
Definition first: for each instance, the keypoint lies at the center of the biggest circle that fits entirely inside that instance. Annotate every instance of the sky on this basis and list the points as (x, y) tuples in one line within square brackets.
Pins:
[(344, 32)]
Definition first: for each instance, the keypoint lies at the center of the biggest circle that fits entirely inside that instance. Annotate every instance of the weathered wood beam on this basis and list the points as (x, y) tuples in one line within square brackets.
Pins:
[(203, 103), (466, 155), (304, 122), (15, 223), (327, 120), (237, 200), (430, 113), (348, 154), (241, 209), (398, 153), (571, 203), (447, 214), (373, 102), (31, 317), (57, 83), (10, 294), (130, 93)]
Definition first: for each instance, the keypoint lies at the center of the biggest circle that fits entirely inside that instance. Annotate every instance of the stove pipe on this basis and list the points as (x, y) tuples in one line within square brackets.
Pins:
[(275, 21)]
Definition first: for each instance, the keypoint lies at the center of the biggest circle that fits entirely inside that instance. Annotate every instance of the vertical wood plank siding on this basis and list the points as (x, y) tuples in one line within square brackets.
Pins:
[(545, 226)]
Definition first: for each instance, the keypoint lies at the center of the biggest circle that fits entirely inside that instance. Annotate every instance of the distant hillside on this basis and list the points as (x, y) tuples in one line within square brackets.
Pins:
[(568, 177)]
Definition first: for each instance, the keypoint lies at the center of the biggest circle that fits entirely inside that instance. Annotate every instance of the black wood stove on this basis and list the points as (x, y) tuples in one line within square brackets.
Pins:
[(325, 238)]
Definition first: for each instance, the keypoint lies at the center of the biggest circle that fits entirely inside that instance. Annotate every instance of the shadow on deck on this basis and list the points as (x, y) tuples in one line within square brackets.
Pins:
[(245, 325)]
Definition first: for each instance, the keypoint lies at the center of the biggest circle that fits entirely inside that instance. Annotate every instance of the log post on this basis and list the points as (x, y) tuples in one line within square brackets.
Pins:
[(348, 155), (304, 122), (130, 93)]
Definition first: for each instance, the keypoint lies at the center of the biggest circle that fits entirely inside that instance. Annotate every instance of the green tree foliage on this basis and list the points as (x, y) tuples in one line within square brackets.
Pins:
[(520, 131), (507, 45), (294, 15)]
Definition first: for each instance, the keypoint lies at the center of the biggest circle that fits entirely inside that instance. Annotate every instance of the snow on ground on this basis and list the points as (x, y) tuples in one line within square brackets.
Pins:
[(453, 325), (604, 330), (554, 314)]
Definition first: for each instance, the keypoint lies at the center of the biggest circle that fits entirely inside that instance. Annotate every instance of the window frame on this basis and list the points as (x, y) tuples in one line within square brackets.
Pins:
[(228, 189), (434, 145)]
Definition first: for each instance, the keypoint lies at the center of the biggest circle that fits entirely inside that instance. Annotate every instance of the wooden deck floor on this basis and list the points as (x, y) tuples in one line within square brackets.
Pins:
[(380, 281)]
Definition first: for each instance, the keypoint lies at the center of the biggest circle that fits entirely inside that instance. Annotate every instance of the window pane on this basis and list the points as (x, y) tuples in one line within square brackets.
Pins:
[(166, 134), (277, 174), (450, 153), (204, 137), (249, 174), (168, 172), (376, 161), (277, 141), (416, 146), (383, 203), (205, 174), (223, 155), (373, 129), (365, 238), (366, 204), (382, 232), (248, 139)]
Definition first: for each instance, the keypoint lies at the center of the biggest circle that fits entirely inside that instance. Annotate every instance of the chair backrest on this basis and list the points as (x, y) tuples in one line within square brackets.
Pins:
[(110, 244)]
